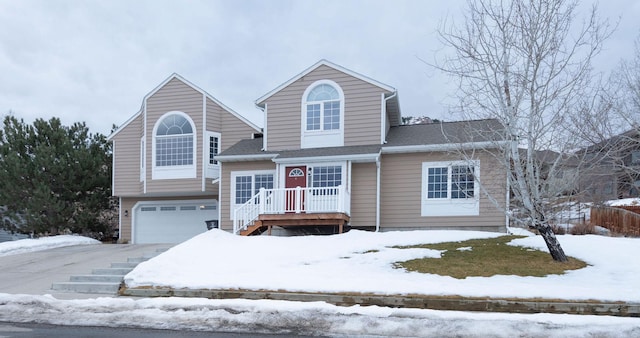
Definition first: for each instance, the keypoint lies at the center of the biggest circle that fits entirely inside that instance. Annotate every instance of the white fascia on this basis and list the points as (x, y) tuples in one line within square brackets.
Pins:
[(353, 158), (242, 158), (443, 147), (204, 141)]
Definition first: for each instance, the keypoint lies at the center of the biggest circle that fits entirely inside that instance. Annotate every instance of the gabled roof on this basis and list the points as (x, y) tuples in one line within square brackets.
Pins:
[(196, 88), (329, 64)]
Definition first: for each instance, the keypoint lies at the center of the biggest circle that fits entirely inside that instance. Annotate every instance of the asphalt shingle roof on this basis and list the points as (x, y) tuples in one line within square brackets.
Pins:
[(411, 135)]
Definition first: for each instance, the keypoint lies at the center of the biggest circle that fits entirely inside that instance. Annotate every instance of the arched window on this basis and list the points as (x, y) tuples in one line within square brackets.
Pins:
[(322, 115), (174, 146), (323, 108)]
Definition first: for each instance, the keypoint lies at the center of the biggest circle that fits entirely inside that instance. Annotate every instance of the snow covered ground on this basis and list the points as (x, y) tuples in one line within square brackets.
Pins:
[(313, 262), (269, 316), (360, 261), (43, 243)]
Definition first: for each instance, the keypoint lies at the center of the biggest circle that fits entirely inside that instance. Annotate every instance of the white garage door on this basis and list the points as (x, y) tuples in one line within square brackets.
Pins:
[(172, 222)]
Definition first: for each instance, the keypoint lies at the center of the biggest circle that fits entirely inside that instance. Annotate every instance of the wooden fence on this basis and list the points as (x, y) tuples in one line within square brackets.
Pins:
[(617, 220)]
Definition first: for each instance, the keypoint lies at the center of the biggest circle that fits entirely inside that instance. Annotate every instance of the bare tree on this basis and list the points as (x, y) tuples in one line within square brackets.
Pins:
[(527, 64)]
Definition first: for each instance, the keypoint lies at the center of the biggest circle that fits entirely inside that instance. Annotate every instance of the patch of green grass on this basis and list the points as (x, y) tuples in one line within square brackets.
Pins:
[(488, 257)]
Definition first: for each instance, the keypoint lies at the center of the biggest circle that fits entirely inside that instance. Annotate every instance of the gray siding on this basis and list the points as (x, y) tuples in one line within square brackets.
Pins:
[(126, 169), (363, 195), (362, 110), (401, 190), (175, 96), (225, 191)]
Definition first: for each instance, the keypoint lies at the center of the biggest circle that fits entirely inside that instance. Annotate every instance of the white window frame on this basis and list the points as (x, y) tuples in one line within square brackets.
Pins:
[(252, 173), (143, 157), (212, 169), (450, 206), (177, 171), (321, 138)]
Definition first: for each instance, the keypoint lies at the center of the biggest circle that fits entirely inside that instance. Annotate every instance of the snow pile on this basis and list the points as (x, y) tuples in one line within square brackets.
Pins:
[(297, 318), (43, 243), (625, 202), (361, 261)]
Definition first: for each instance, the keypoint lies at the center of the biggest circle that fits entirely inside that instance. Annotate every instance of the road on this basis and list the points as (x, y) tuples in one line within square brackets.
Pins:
[(22, 330)]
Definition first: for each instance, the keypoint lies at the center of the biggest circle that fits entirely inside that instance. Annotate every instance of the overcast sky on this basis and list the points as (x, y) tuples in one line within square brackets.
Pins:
[(94, 61)]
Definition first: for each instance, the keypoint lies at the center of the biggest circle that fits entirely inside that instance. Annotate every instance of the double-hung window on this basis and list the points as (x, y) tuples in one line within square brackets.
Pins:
[(450, 188), (247, 184)]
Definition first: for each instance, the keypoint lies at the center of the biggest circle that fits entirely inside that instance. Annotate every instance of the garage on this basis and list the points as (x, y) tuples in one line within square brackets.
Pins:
[(172, 221)]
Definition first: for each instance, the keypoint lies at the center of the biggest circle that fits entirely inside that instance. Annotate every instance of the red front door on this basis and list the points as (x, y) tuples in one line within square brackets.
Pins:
[(295, 177)]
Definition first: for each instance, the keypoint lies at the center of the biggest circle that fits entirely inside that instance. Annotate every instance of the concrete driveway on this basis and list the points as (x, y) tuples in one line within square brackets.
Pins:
[(33, 273)]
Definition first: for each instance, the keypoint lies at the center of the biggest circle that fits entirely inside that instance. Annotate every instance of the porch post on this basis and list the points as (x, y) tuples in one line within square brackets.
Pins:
[(262, 200), (341, 192), (298, 199)]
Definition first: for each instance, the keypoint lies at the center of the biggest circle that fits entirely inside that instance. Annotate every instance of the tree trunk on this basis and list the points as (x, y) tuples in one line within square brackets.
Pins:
[(553, 245)]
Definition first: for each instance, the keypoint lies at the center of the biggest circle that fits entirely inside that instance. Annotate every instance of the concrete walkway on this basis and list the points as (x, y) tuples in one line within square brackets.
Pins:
[(34, 273)]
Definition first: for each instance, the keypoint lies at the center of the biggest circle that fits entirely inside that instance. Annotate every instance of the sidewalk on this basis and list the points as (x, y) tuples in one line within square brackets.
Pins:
[(34, 273)]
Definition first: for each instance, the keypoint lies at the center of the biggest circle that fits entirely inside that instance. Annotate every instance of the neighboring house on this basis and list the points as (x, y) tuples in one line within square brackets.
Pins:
[(334, 153), (612, 168), (164, 172)]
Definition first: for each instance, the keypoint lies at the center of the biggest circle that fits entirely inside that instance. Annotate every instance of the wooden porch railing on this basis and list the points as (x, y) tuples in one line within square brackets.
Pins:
[(291, 200)]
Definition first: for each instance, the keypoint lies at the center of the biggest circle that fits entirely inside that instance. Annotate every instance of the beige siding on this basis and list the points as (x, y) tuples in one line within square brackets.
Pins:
[(231, 128), (234, 130), (401, 192), (214, 116), (363, 195), (362, 110), (126, 169), (225, 191), (175, 96)]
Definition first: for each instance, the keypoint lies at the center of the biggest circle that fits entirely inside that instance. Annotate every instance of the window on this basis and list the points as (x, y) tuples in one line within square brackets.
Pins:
[(462, 182), (174, 141), (326, 177), (330, 176), (450, 188), (212, 148), (174, 147), (438, 186), (323, 108), (248, 184), (322, 115)]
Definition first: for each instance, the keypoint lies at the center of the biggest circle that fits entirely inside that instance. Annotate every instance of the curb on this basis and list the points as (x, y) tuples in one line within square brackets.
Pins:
[(455, 303)]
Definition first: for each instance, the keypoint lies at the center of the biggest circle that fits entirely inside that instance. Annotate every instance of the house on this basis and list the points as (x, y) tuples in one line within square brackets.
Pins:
[(164, 172), (334, 154), (612, 168)]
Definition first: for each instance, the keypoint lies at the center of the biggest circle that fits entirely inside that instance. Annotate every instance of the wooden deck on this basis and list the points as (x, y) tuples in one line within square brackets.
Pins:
[(266, 221)]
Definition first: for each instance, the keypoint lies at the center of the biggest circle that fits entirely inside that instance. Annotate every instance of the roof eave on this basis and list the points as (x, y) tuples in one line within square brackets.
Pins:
[(259, 101), (419, 148), (361, 158), (242, 158)]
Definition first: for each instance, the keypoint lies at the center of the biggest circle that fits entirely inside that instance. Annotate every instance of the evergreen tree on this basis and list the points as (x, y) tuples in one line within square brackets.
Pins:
[(54, 177)]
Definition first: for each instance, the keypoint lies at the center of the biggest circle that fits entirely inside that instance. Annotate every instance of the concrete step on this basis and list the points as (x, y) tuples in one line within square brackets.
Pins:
[(111, 271), (80, 287), (96, 278), (137, 260), (127, 265)]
